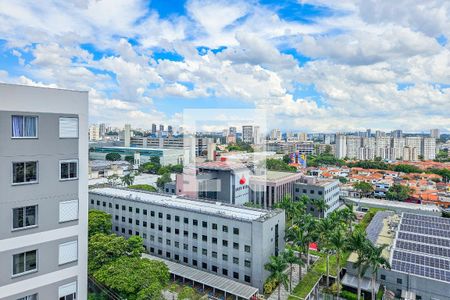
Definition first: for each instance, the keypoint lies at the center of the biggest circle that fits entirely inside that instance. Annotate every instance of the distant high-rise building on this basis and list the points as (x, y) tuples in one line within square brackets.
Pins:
[(153, 128), (397, 134), (94, 132), (302, 137), (369, 133), (232, 130), (247, 134), (428, 149), (257, 137), (353, 145), (170, 129), (275, 134), (127, 135), (161, 128), (341, 146), (379, 133), (102, 130), (434, 133)]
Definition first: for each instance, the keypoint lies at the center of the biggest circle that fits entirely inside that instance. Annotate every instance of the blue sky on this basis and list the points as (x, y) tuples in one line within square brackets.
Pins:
[(314, 65)]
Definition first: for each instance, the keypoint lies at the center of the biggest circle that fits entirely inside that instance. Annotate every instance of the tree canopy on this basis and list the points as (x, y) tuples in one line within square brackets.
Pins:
[(113, 156), (399, 192), (99, 222), (279, 165)]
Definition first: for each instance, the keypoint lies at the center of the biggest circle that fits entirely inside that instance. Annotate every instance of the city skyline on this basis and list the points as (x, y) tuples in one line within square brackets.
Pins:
[(317, 65)]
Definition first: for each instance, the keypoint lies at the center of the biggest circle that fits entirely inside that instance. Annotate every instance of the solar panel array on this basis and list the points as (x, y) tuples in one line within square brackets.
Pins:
[(424, 239), (422, 246)]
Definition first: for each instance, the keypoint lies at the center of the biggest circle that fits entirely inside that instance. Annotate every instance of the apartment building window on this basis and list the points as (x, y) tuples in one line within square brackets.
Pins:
[(225, 272), (204, 265), (24, 262), (194, 262), (194, 236), (160, 227), (383, 277), (160, 240), (214, 254), (68, 127), (123, 207), (214, 269), (185, 233), (152, 213), (168, 242), (130, 209), (160, 215), (144, 212), (235, 275), (225, 228), (177, 257), (235, 260), (168, 217), (144, 223), (177, 231), (186, 221), (137, 210), (225, 243), (214, 240), (168, 229), (204, 224), (177, 244), (194, 249), (177, 218), (195, 222), (247, 278), (236, 246), (68, 211), (30, 297), (25, 172), (224, 257), (185, 246), (24, 126), (204, 251), (247, 248), (185, 259), (68, 252), (247, 263), (68, 169), (214, 226), (68, 291), (204, 238), (236, 231), (24, 217)]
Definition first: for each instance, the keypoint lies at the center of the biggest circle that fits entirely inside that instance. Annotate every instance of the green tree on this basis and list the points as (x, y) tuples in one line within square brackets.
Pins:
[(276, 267), (321, 206), (343, 180), (163, 179), (299, 240), (149, 167), (399, 192), (135, 278), (113, 179), (338, 243), (364, 188), (325, 227), (286, 204), (127, 179), (104, 249), (187, 293), (290, 258), (113, 156), (143, 187), (286, 159), (279, 165), (99, 222), (376, 260), (359, 244), (129, 159), (176, 168)]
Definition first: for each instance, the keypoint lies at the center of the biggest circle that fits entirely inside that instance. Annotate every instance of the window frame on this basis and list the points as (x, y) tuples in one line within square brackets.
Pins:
[(24, 173), (25, 227), (59, 128), (23, 124), (69, 161), (25, 272)]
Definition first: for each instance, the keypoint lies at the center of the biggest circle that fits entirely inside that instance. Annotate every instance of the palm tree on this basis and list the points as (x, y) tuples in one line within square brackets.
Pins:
[(348, 215), (297, 237), (287, 205), (375, 261), (128, 179), (325, 228), (276, 267), (338, 243), (321, 206), (359, 243), (290, 258), (311, 234), (298, 211)]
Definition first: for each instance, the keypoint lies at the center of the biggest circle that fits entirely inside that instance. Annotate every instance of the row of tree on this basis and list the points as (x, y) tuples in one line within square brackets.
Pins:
[(396, 192), (335, 234)]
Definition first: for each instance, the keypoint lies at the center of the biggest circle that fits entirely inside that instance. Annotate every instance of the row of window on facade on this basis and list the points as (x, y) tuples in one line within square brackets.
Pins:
[(27, 262), (65, 292), (26, 217), (27, 171), (195, 263), (25, 126), (137, 210)]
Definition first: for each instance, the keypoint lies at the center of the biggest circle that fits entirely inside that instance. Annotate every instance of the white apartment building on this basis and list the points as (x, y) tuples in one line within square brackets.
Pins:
[(94, 133), (247, 134), (428, 148), (341, 146), (43, 184)]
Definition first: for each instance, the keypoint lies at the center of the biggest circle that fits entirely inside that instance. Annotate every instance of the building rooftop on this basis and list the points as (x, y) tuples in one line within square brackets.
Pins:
[(221, 165), (276, 175), (215, 208), (137, 149), (396, 205)]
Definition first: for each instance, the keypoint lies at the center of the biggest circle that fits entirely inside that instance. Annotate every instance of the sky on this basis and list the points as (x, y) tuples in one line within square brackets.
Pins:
[(312, 65)]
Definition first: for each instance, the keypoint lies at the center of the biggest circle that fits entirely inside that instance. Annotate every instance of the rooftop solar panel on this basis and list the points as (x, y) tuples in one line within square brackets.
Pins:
[(419, 259), (425, 230), (426, 224), (426, 218), (423, 248), (421, 270), (424, 239)]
